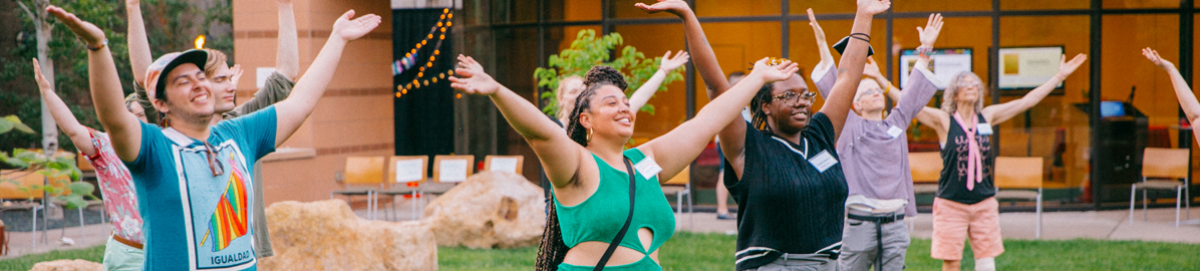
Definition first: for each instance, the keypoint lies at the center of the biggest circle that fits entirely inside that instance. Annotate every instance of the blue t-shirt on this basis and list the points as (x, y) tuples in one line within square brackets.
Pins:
[(194, 221)]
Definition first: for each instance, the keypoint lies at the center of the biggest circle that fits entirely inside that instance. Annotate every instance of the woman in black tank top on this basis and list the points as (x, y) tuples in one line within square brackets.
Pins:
[(964, 128)]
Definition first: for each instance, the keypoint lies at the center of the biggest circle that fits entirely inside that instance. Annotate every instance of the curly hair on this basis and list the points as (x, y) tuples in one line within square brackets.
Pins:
[(596, 78), (552, 249), (949, 103)]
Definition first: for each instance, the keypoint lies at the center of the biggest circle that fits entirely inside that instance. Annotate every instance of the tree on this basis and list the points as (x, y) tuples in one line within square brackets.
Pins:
[(587, 51)]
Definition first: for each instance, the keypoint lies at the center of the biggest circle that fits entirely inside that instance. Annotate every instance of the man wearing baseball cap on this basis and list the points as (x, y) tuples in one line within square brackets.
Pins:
[(191, 178)]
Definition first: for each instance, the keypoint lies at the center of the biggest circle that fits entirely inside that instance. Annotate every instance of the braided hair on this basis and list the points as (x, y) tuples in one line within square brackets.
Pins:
[(759, 117), (596, 78), (552, 249)]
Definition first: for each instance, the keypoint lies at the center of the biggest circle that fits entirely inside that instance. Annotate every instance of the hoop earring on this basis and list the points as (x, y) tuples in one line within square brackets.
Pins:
[(589, 136)]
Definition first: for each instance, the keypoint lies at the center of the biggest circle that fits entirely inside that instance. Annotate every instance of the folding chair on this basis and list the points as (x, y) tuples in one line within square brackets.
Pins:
[(504, 163), (926, 168), (406, 175), (1021, 173), (681, 186), (360, 174), (1161, 170), (449, 170)]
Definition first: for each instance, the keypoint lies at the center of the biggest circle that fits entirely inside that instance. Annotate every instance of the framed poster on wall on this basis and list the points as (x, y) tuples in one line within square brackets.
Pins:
[(1023, 68), (944, 63)]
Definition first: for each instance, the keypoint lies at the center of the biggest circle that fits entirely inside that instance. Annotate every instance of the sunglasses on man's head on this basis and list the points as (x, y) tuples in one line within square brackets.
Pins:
[(213, 165)]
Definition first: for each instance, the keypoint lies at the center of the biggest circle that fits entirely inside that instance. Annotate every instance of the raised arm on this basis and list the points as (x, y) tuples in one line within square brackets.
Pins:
[(62, 115), (139, 45), (837, 105), (704, 58), (647, 90), (677, 149), (123, 127), (826, 63), (287, 56), (1187, 101), (546, 138), (292, 111), (995, 114)]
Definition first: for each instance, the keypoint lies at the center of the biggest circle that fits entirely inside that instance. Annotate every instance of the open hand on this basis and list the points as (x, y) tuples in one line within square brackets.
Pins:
[(774, 73), (677, 7), (1153, 56), (929, 33), (43, 84), (237, 74), (469, 77), (872, 7), (1067, 67), (871, 69), (90, 34), (350, 30), (671, 63), (817, 31)]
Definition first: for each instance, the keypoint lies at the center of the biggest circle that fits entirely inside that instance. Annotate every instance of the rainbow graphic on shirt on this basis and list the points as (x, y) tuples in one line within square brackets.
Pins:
[(229, 221)]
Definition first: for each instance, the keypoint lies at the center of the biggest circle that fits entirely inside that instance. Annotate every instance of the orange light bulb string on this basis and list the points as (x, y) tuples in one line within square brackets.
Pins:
[(440, 29)]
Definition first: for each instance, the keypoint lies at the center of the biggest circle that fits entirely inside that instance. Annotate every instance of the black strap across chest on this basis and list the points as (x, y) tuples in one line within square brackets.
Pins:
[(612, 246)]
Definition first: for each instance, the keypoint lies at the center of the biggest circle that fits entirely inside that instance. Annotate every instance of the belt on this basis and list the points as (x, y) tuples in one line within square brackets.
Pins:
[(127, 242), (878, 219)]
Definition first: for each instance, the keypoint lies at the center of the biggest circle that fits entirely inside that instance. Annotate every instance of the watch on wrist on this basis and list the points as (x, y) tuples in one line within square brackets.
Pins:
[(98, 47)]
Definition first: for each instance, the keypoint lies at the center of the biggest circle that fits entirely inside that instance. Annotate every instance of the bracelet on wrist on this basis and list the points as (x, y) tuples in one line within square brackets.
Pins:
[(98, 47)]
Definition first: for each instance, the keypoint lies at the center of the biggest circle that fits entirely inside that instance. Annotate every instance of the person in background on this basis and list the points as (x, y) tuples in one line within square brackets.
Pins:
[(965, 206), (874, 153), (123, 251)]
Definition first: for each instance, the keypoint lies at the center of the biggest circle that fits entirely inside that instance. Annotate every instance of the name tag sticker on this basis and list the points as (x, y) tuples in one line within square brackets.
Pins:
[(648, 168), (894, 131), (823, 161), (984, 129)]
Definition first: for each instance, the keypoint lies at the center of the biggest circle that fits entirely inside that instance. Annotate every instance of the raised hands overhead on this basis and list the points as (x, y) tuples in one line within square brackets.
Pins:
[(43, 84), (677, 7), (822, 44), (771, 73), (670, 63), (1153, 56), (471, 78), (872, 7), (237, 74), (92, 35), (351, 29), (1066, 68), (871, 69), (929, 33)]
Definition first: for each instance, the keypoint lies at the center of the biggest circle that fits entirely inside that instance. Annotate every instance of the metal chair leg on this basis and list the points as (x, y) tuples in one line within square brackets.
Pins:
[(83, 237), (35, 229), (1145, 202), (1178, 196), (1132, 199), (1038, 231)]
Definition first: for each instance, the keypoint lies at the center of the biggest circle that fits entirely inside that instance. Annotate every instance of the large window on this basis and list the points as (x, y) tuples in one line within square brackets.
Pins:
[(1059, 128)]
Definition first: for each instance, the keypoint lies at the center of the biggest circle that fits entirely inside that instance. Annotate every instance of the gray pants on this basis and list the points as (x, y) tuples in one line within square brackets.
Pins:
[(793, 262), (859, 246)]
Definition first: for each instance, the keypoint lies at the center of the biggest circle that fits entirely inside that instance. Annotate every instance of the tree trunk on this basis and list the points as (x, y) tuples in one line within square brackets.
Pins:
[(44, 34)]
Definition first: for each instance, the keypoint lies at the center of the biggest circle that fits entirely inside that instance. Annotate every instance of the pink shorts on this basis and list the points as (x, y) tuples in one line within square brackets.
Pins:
[(953, 222)]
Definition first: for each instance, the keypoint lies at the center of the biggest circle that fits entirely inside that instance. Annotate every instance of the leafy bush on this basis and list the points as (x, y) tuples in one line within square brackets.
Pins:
[(587, 51)]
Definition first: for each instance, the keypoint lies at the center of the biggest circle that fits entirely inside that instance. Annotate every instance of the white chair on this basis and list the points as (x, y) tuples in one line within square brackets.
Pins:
[(681, 186), (406, 176), (1162, 169), (1021, 173), (449, 170)]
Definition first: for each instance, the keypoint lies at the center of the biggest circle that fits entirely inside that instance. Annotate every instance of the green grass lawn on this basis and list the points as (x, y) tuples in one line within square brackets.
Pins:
[(690, 251)]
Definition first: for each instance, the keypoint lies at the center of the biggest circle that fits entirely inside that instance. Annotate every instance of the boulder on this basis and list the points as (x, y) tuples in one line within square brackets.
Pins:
[(489, 210), (68, 265), (327, 235)]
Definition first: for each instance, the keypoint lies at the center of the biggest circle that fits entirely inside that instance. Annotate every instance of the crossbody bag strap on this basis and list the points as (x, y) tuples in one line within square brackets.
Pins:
[(612, 246)]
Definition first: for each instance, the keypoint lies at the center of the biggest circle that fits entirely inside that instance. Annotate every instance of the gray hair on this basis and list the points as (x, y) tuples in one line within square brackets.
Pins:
[(949, 104)]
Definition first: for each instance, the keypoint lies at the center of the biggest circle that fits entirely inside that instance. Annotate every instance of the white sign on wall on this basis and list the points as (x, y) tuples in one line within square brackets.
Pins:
[(944, 63), (1028, 67)]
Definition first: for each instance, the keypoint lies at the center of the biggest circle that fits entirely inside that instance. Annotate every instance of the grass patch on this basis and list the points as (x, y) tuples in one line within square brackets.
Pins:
[(94, 254), (692, 251)]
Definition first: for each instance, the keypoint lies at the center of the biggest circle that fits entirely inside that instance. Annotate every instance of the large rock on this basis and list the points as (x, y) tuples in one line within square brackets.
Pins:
[(67, 265), (489, 210), (326, 235)]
